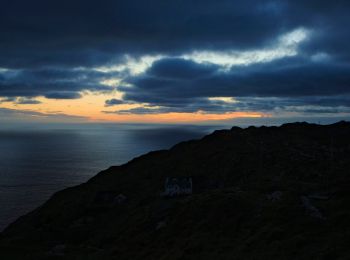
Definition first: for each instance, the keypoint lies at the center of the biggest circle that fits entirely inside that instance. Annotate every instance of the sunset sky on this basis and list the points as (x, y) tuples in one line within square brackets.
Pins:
[(182, 61)]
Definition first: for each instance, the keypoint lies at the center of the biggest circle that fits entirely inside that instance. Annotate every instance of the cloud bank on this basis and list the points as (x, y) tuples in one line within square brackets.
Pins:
[(274, 56)]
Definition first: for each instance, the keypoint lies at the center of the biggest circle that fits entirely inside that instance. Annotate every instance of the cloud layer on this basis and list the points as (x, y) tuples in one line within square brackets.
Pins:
[(180, 56)]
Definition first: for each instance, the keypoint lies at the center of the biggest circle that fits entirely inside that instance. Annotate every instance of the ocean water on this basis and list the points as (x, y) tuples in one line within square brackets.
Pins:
[(35, 163)]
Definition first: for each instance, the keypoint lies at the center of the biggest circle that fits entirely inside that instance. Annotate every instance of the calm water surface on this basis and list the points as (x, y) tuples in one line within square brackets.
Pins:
[(36, 163)]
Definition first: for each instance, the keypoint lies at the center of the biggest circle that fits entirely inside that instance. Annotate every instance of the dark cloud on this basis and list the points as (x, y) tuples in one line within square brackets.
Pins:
[(114, 102), (177, 69), (44, 42), (302, 105), (20, 100), (289, 78), (268, 104), (63, 95), (330, 22), (191, 106), (88, 32), (51, 83)]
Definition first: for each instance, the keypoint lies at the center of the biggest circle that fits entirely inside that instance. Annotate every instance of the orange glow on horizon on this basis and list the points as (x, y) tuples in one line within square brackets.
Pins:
[(91, 106), (179, 117)]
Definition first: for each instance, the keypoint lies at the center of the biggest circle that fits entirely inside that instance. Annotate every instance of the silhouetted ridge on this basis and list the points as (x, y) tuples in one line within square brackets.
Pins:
[(255, 193)]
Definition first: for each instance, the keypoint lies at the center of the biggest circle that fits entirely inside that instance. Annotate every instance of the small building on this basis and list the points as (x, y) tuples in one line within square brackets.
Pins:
[(177, 186)]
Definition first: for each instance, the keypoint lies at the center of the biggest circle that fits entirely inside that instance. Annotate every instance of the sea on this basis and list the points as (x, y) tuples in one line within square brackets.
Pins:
[(37, 162)]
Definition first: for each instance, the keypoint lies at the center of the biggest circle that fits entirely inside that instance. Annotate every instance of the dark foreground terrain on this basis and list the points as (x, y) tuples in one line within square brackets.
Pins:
[(258, 193)]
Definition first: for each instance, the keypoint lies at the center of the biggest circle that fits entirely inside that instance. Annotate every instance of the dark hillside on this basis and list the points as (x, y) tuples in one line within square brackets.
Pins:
[(258, 193)]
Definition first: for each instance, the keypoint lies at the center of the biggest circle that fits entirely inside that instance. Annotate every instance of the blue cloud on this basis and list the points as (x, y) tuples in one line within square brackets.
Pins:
[(114, 102)]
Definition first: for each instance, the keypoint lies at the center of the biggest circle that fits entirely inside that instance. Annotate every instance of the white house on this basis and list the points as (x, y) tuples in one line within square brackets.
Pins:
[(176, 186)]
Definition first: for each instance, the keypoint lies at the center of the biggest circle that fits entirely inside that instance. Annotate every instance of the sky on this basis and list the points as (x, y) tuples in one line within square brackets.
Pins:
[(184, 61)]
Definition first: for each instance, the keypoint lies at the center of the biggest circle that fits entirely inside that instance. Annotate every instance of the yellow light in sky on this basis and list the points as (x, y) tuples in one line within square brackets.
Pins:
[(92, 105)]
